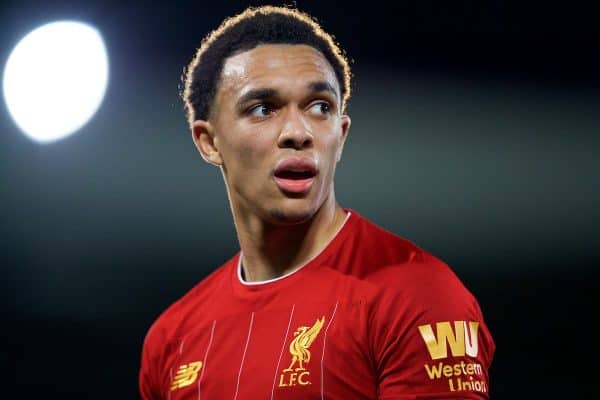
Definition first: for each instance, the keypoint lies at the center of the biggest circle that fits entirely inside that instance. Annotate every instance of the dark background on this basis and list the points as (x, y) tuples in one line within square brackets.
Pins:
[(475, 135)]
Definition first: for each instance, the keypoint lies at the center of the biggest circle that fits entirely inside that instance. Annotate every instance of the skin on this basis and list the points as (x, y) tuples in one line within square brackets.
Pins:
[(250, 130)]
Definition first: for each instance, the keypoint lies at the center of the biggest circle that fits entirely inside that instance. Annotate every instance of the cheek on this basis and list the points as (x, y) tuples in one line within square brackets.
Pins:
[(331, 146), (246, 154), (330, 153)]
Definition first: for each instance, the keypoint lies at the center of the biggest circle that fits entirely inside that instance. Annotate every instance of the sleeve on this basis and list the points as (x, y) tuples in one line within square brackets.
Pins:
[(429, 339), (147, 379)]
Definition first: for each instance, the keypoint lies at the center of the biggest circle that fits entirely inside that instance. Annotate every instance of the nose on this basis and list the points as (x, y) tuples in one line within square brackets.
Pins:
[(296, 132)]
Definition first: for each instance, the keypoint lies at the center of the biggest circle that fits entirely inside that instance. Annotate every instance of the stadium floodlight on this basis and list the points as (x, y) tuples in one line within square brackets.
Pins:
[(55, 79)]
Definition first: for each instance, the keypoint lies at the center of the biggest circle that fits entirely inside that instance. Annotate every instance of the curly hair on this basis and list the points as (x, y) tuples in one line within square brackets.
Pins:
[(252, 27)]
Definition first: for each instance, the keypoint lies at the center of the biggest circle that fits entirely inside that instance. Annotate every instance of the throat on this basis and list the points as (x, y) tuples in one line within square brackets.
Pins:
[(281, 250)]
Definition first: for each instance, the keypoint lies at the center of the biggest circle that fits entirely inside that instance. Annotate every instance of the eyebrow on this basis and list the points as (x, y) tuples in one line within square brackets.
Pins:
[(257, 94), (322, 86), (269, 93)]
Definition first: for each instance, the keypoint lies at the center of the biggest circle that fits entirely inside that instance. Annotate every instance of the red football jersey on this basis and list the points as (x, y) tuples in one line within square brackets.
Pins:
[(371, 317)]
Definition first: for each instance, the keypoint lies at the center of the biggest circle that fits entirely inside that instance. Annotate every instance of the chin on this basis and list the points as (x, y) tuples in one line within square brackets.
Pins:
[(291, 215)]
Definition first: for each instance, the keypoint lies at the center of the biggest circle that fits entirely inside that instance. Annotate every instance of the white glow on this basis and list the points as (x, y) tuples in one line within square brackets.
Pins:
[(55, 79)]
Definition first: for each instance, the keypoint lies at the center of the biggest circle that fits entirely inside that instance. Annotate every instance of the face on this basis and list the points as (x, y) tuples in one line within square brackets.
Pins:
[(277, 132)]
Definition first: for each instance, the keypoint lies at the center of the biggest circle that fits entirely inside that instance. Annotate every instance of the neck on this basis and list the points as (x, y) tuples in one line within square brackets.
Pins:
[(271, 250)]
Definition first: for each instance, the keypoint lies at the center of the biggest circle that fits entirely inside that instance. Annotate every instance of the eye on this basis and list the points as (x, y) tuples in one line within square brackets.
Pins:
[(261, 110), (320, 108)]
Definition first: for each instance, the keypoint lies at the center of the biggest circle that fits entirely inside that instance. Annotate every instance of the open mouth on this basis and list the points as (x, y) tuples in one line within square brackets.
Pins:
[(295, 175), (288, 174)]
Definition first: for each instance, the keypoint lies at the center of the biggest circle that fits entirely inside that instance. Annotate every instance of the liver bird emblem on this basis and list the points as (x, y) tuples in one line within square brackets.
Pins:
[(304, 337)]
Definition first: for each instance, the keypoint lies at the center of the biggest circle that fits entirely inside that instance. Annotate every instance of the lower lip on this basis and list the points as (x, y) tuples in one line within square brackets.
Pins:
[(294, 185)]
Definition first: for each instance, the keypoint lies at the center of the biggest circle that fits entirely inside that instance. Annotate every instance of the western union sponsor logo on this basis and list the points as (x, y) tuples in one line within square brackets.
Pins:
[(461, 337), (458, 369)]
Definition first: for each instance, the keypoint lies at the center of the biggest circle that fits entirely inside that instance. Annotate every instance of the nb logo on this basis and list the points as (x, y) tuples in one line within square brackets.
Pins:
[(186, 375), (462, 339)]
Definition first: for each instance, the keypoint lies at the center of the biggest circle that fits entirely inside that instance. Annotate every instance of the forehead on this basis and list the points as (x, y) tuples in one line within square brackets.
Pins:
[(278, 66)]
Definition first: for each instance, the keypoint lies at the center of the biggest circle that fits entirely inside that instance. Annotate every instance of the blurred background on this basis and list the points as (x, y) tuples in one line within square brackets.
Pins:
[(475, 134)]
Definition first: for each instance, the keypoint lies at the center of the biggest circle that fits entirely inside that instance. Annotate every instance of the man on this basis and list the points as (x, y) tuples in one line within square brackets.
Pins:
[(319, 302)]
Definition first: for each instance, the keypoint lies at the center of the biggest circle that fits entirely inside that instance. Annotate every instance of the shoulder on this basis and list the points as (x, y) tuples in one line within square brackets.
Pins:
[(425, 284), (420, 296), (376, 236), (424, 320), (399, 265), (424, 276), (171, 323), (367, 247), (164, 337)]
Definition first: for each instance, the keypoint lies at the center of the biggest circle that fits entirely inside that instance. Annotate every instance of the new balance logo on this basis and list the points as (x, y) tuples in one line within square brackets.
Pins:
[(461, 338), (186, 375)]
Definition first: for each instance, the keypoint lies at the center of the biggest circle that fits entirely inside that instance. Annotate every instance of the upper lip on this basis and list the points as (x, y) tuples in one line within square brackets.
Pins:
[(296, 164)]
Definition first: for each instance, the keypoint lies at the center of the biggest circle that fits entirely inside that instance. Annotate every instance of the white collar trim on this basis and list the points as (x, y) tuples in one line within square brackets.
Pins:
[(239, 264)]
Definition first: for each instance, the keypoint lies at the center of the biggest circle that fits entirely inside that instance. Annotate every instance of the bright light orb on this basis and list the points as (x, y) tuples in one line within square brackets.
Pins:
[(55, 79)]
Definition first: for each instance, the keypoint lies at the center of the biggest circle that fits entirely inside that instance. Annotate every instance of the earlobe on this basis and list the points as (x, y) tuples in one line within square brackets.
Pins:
[(206, 142)]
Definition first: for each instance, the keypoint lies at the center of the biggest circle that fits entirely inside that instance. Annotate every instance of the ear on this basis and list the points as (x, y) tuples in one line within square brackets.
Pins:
[(206, 142), (345, 121)]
